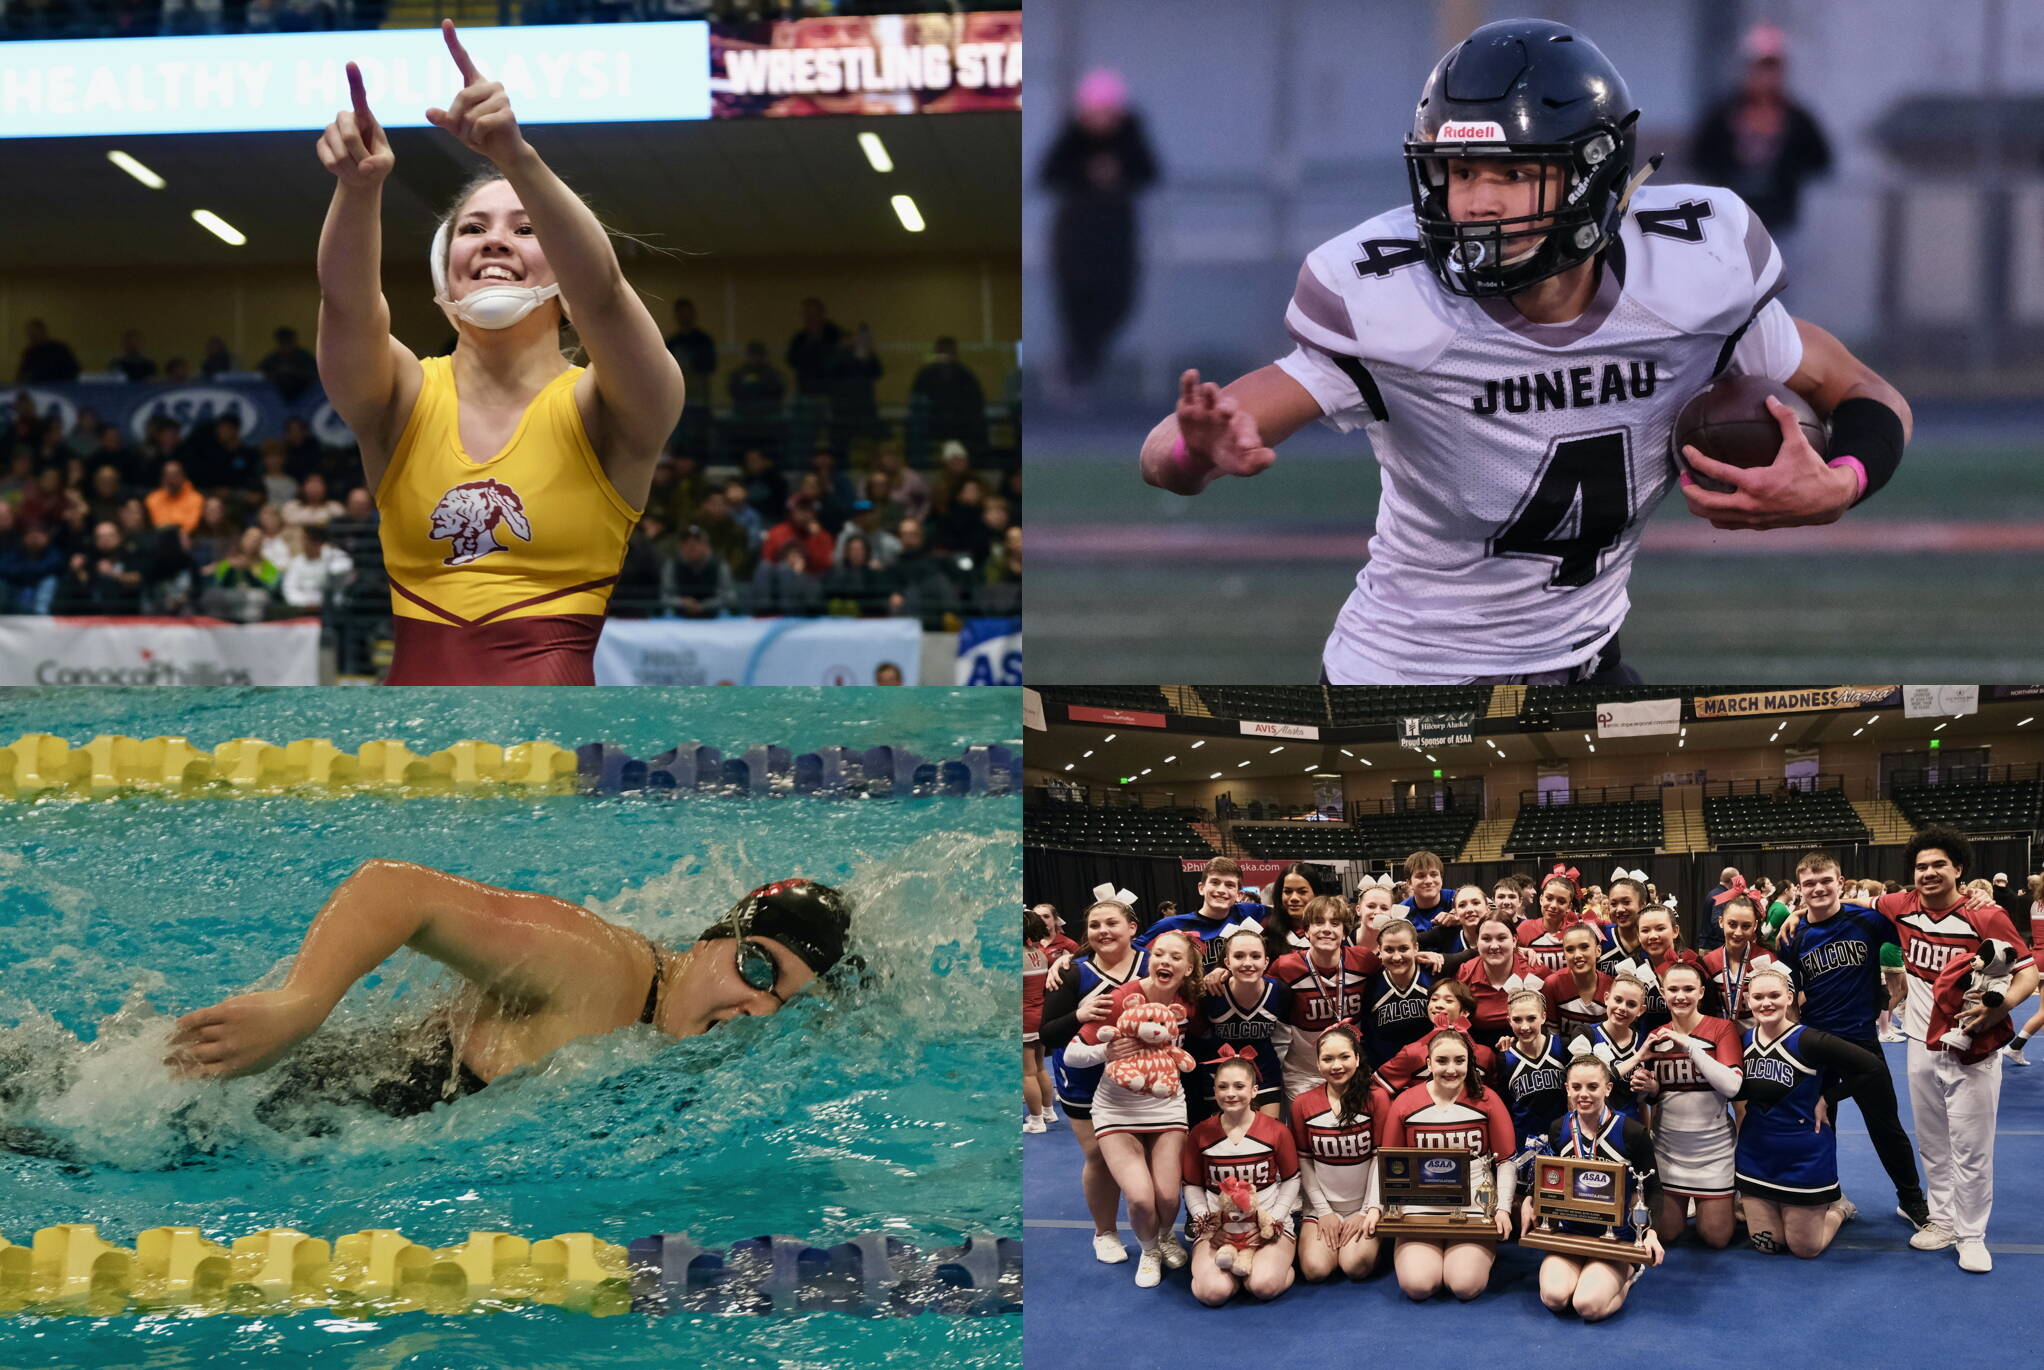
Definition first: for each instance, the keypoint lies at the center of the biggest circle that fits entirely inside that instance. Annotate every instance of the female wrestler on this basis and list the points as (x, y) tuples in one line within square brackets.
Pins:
[(1530, 1069), (1540, 938), (1788, 1148), (1449, 1004), (1142, 1136), (1596, 1289), (1688, 1087), (1334, 1127), (1452, 1108), (1248, 1010), (542, 972), (1663, 946), (1726, 968), (508, 480), (1241, 1144), (1575, 993), (1498, 971), (1618, 1040), (1083, 998)]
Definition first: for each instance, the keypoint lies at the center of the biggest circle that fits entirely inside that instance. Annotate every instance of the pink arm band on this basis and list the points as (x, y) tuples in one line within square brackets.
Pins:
[(1859, 472)]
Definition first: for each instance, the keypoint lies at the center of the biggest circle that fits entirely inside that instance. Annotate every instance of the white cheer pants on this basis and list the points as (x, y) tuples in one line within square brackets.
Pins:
[(1955, 1107)]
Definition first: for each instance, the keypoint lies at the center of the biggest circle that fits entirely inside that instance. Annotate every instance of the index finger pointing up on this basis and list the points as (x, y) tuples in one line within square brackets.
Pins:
[(469, 75), (356, 94)]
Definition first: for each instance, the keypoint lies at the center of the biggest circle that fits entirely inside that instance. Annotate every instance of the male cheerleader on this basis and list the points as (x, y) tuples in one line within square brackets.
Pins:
[(1516, 344)]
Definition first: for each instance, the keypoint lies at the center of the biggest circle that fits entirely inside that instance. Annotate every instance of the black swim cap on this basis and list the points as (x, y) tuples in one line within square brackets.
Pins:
[(807, 918)]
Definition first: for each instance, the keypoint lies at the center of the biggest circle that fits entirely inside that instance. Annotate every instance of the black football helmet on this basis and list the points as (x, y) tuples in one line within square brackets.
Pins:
[(1520, 90)]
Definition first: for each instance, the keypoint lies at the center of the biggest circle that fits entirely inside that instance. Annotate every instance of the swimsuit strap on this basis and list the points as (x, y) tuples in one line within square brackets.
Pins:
[(653, 989)]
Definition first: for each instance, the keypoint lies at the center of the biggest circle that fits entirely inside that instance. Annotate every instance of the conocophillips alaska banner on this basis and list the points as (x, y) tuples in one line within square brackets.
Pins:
[(1798, 701), (1641, 719), (884, 64), (157, 651)]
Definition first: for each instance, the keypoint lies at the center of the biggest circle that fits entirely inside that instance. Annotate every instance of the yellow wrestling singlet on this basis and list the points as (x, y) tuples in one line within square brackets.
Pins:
[(500, 569)]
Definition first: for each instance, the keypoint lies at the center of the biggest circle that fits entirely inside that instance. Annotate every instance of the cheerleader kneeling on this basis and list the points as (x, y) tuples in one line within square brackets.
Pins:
[(1592, 1288), (1334, 1128), (1450, 1109), (1241, 1185)]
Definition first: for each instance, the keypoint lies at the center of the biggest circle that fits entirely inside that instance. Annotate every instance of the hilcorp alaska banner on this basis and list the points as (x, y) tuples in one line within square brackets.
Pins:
[(883, 64)]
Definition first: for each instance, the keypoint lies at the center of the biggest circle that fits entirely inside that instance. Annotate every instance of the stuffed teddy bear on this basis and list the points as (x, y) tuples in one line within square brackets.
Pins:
[(1157, 1027), (1242, 1226), (1986, 982)]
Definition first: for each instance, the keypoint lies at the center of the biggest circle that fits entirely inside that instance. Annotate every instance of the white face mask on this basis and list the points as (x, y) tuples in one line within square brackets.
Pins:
[(491, 306)]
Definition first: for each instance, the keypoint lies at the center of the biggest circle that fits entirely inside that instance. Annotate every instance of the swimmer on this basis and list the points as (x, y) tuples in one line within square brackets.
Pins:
[(508, 479), (540, 972)]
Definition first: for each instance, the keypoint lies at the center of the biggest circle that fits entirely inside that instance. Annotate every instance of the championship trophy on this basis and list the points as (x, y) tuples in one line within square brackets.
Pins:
[(1429, 1193), (1573, 1189)]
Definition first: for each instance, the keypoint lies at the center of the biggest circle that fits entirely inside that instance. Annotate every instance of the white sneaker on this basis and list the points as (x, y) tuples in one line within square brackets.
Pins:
[(1847, 1209), (1174, 1254), (1149, 1271), (1108, 1250), (1933, 1236), (2015, 1055), (1050, 1118), (1973, 1257), (1032, 1123), (1893, 1035)]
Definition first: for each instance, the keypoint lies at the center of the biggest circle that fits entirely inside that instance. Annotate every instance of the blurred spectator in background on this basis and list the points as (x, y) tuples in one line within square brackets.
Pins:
[(176, 371), (275, 546), (698, 583), (242, 586), (132, 363), (887, 673), (956, 403), (766, 489), (279, 486), (175, 500), (1003, 598), (1096, 168), (107, 495), (19, 480), (100, 579), (856, 587), (911, 491), (963, 527), (668, 499), (314, 507), (923, 580), (813, 350), (1762, 144), (112, 450), (304, 455), (216, 358), (694, 350), (729, 537), (854, 413), (45, 360), (866, 522), (354, 532), (835, 487), (84, 437), (802, 529), (217, 459), (289, 367), (637, 593), (28, 573), (215, 535), (784, 585), (757, 395)]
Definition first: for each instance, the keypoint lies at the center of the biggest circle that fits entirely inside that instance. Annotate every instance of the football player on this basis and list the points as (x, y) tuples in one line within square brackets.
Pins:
[(1516, 344)]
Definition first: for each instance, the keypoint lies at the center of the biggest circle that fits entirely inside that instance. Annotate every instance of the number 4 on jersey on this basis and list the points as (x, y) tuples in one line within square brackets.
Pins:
[(1594, 467)]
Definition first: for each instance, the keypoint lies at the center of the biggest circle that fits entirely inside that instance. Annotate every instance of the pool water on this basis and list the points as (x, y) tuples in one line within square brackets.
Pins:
[(840, 1115)]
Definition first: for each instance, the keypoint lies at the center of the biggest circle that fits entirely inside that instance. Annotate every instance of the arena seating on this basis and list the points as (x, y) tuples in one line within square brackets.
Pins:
[(1137, 832), (1353, 708), (2000, 806), (1145, 698), (1379, 837), (1786, 818), (1268, 703), (1625, 826), (1544, 702)]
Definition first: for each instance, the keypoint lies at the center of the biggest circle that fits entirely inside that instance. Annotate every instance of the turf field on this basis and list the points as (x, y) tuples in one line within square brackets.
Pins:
[(1940, 577)]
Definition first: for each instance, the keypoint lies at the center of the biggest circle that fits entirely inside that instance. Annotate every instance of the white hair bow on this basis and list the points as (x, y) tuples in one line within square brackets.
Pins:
[(1381, 919), (1520, 984), (1382, 882), (1106, 890), (1582, 1046), (1623, 874), (1669, 901)]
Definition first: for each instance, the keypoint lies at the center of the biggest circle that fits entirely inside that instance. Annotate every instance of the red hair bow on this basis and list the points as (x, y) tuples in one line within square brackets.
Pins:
[(1228, 1053), (1569, 873), (1732, 891)]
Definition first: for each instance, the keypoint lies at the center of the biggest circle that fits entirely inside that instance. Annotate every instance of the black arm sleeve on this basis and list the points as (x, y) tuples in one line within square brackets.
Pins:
[(1060, 1013), (1847, 1067), (1440, 940)]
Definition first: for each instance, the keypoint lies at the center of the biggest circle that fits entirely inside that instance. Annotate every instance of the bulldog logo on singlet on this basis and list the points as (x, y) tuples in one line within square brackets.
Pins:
[(470, 513)]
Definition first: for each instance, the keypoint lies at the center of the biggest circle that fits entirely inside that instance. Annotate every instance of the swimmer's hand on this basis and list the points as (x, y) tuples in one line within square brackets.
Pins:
[(243, 1035)]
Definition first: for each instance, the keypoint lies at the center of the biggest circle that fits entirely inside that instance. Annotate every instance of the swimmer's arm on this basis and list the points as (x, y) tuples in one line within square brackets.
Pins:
[(635, 377)]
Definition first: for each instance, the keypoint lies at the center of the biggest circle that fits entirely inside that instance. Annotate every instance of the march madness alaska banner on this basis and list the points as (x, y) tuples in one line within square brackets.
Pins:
[(881, 64)]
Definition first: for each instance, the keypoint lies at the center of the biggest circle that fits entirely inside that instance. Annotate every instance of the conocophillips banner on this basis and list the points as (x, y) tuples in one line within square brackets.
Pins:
[(1798, 701), (883, 64), (157, 651), (1255, 874), (1643, 718)]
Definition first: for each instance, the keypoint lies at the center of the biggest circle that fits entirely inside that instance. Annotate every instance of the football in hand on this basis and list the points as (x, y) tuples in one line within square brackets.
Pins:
[(1728, 422)]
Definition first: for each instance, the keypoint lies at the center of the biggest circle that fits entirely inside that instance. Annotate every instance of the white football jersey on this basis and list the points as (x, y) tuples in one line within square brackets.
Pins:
[(1520, 460)]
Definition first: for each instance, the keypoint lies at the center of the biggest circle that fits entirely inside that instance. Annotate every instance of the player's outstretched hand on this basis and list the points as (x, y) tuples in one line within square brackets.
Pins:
[(353, 147), (1218, 433), (480, 116), (1797, 488)]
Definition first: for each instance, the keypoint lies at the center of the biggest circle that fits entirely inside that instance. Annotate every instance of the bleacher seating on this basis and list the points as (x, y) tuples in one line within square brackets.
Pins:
[(1136, 832), (1544, 702), (2000, 806), (1268, 703), (1142, 698), (1624, 826), (1374, 837), (1356, 708), (1785, 818)]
